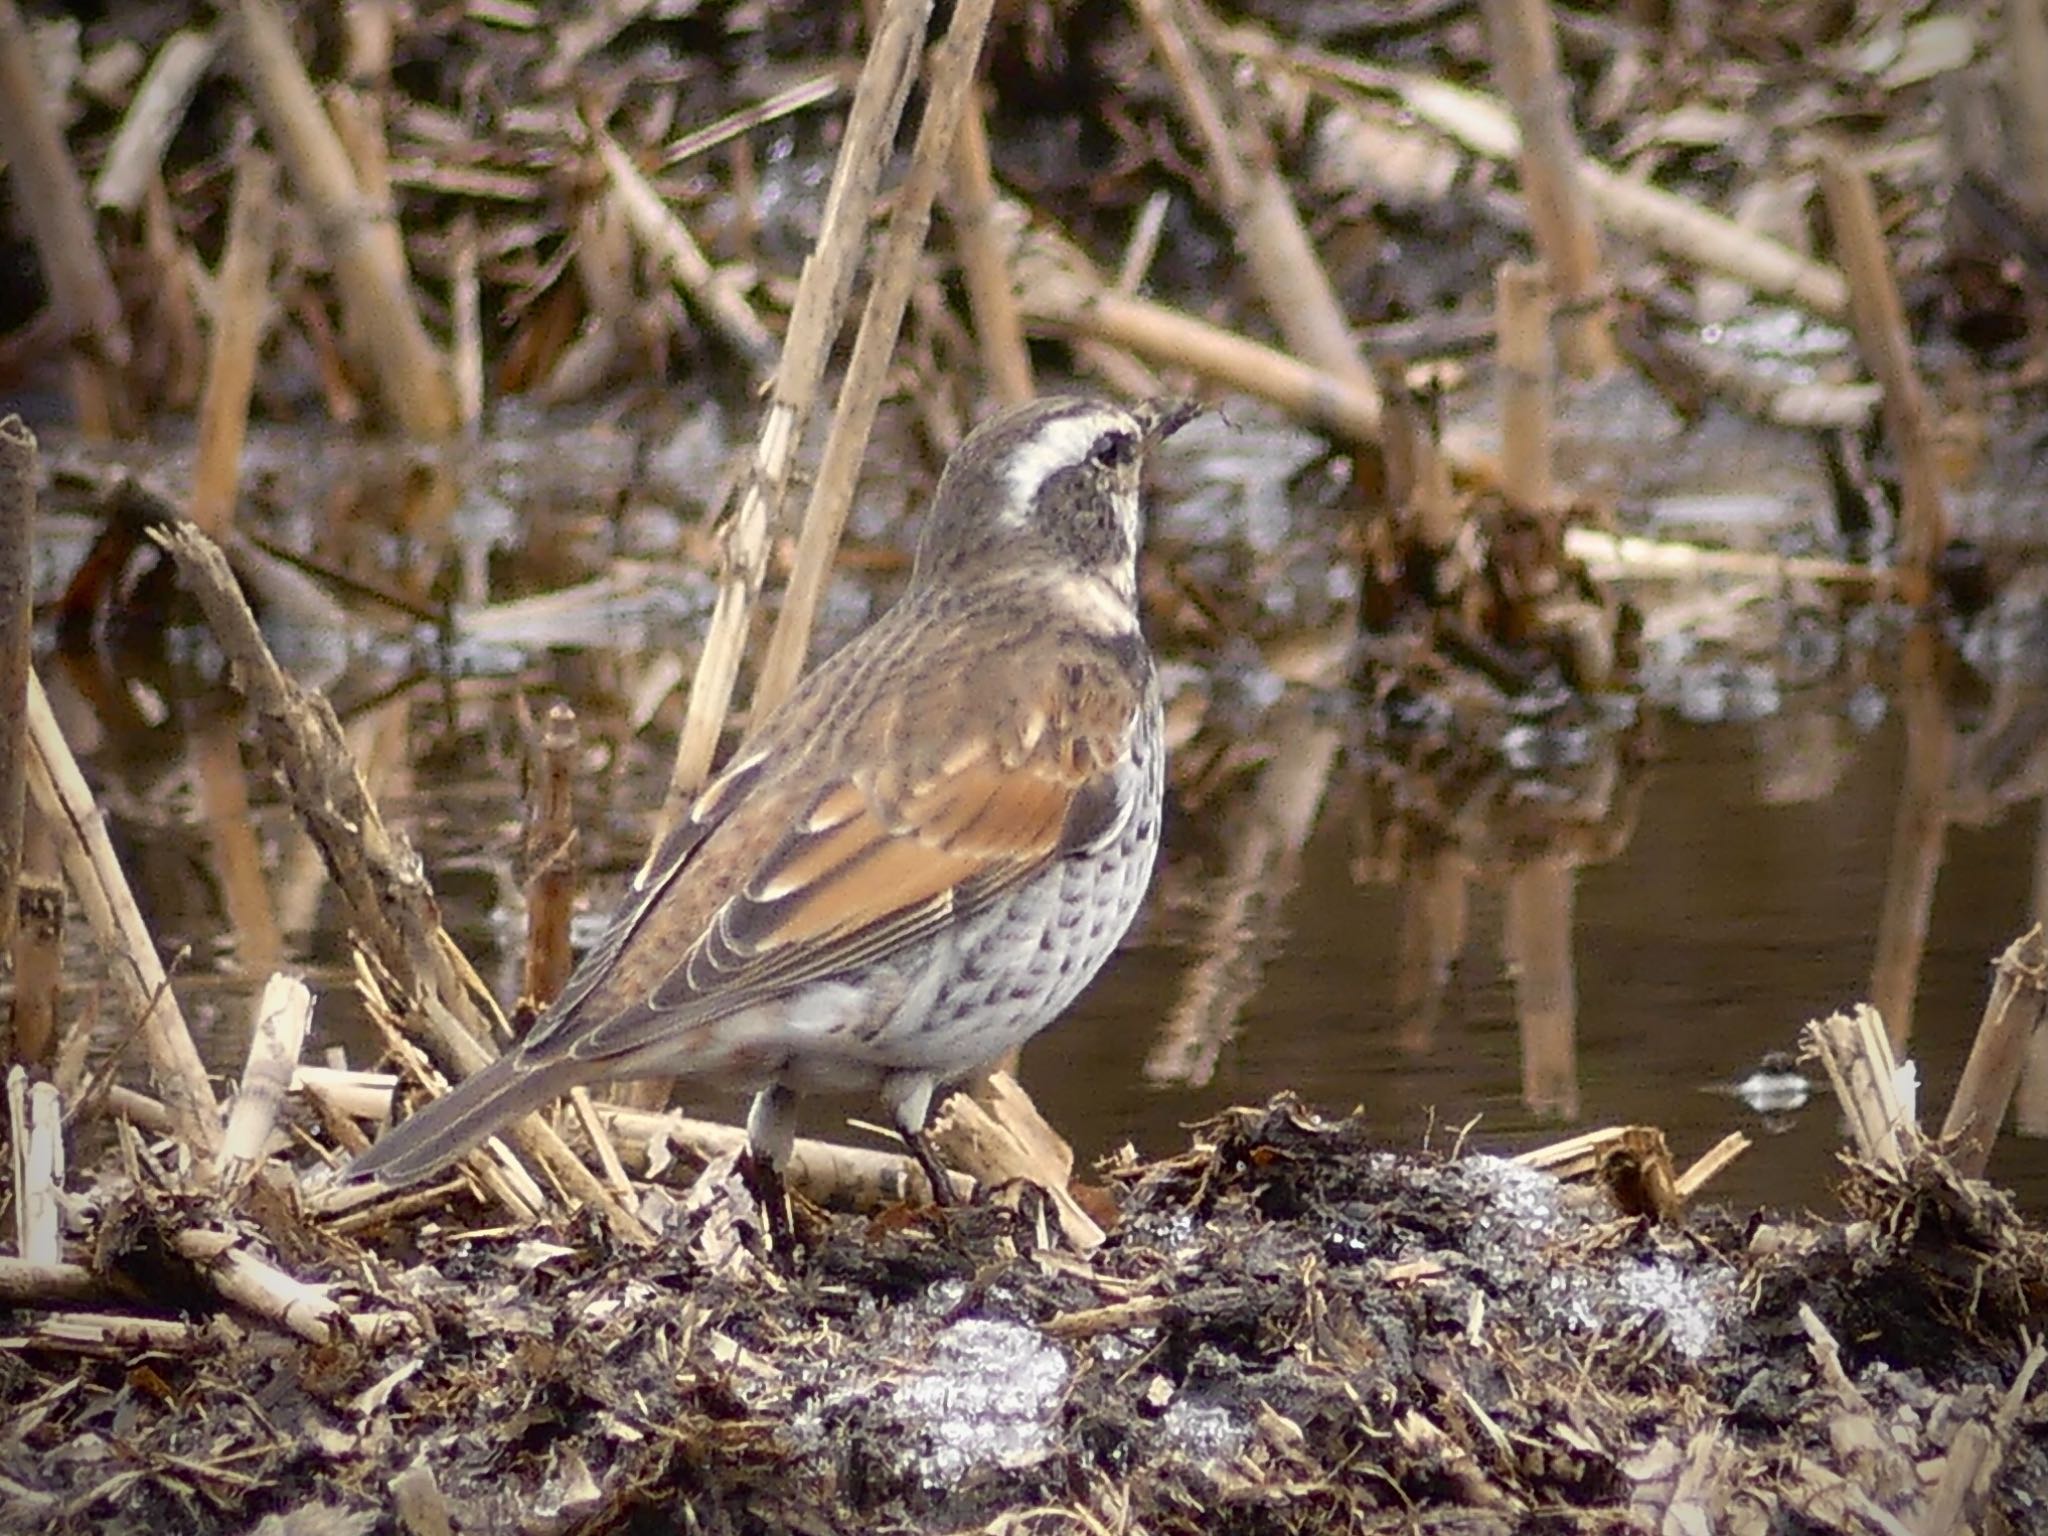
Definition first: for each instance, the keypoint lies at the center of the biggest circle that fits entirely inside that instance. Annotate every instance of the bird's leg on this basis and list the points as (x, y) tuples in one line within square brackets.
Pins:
[(771, 1137), (910, 1105)]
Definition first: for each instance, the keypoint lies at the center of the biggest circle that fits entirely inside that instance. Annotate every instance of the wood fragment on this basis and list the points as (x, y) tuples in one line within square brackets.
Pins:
[(262, 1288), (996, 1135), (1709, 1163), (56, 1284), (37, 948)]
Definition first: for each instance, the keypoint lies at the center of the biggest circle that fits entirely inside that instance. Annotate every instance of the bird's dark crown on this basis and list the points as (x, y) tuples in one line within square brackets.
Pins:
[(1057, 477)]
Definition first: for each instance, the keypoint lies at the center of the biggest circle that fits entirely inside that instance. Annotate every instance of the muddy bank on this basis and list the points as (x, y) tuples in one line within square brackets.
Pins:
[(1290, 1329)]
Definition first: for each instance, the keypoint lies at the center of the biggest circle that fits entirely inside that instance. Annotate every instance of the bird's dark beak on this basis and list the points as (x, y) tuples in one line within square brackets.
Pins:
[(1163, 417)]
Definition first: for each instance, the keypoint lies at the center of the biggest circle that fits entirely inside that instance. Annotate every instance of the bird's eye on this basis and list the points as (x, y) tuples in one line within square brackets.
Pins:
[(1114, 449)]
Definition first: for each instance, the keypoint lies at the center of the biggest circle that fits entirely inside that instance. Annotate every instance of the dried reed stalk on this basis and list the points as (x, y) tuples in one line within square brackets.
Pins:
[(1523, 35), (283, 1015), (153, 114), (1059, 292), (35, 1137), (825, 1173), (815, 318), (17, 598), (1880, 324), (45, 182), (716, 294), (551, 847), (465, 306), (38, 947), (1525, 363), (950, 83), (971, 207), (361, 234), (2012, 1017), (241, 310), (1255, 200), (66, 805), (2026, 47)]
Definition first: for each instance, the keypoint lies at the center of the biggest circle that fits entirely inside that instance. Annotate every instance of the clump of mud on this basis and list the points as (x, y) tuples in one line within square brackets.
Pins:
[(1288, 1329)]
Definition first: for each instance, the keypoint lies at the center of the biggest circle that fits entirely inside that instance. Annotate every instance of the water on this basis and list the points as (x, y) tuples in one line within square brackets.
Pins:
[(1717, 900)]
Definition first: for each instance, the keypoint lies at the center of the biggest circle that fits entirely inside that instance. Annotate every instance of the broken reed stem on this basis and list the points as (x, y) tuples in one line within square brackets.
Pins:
[(284, 1013), (972, 209), (815, 319), (716, 294), (152, 117), (35, 1136), (241, 310), (1060, 293), (551, 846), (17, 600), (1258, 205), (1858, 1057), (950, 83), (1879, 321), (465, 306), (2012, 1016), (90, 323), (1525, 361), (2026, 46), (360, 233), (1919, 837), (1523, 38), (65, 802)]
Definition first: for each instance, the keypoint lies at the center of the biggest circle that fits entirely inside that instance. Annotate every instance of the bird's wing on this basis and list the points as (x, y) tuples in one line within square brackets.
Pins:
[(941, 804)]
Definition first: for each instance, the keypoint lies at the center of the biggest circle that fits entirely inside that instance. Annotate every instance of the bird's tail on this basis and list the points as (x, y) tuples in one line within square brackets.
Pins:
[(479, 1106)]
